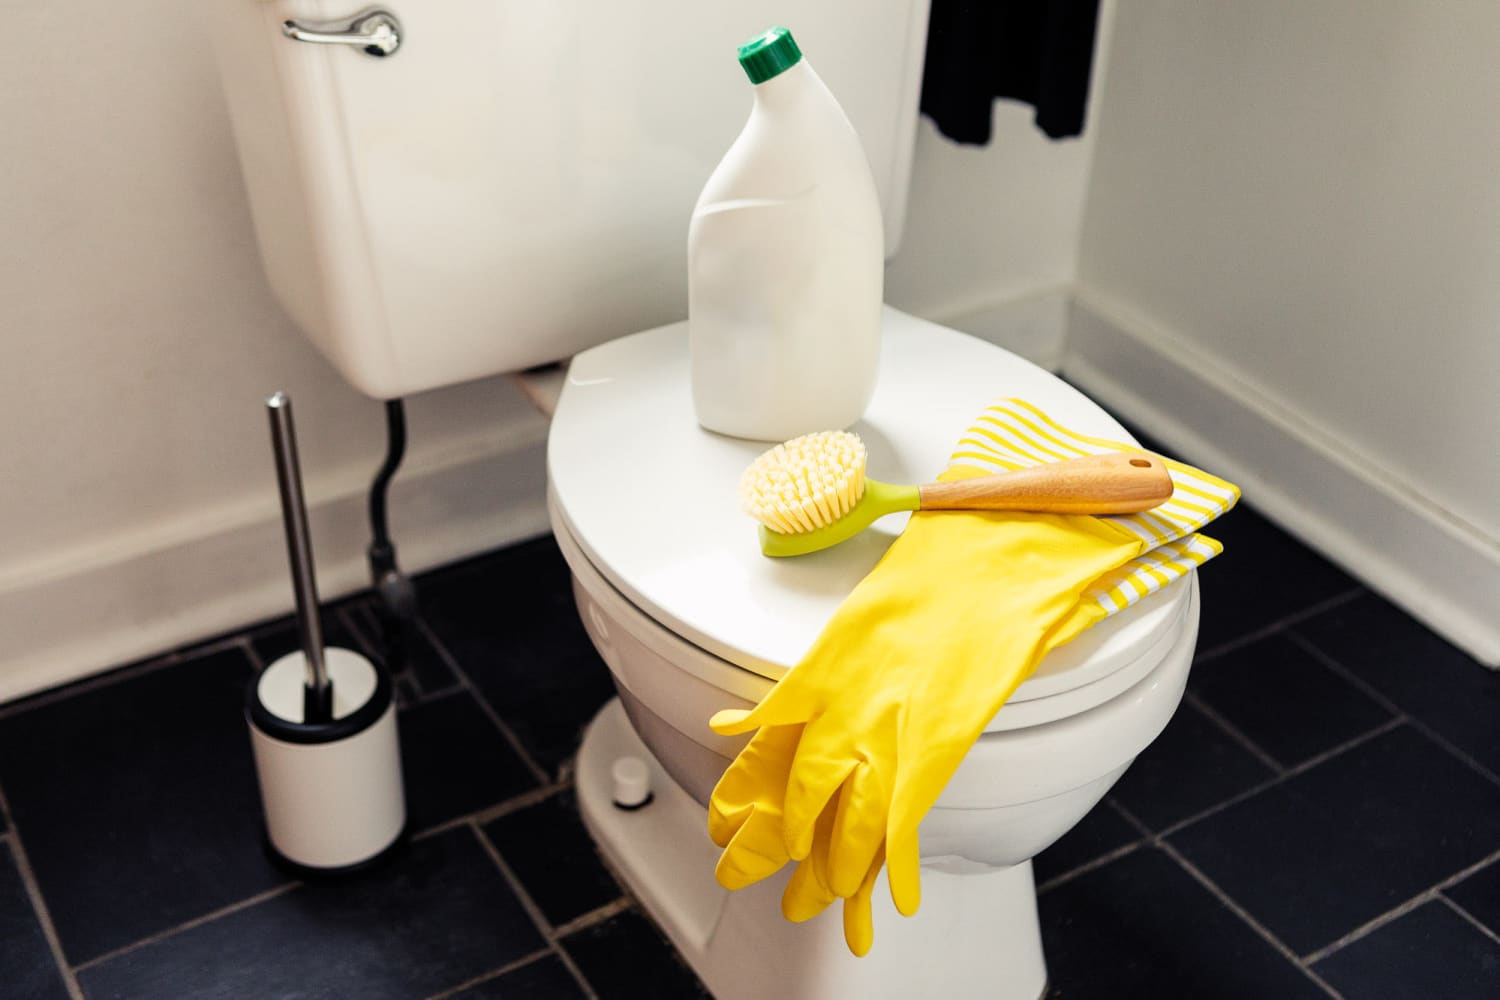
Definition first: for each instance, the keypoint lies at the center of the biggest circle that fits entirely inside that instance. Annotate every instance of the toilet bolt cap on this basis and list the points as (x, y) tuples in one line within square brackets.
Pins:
[(632, 782)]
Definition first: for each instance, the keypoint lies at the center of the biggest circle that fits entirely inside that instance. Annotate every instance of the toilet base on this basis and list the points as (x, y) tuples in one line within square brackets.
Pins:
[(975, 936)]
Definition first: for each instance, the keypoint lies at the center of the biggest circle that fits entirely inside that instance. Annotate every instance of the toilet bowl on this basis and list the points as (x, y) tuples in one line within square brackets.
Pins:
[(690, 619)]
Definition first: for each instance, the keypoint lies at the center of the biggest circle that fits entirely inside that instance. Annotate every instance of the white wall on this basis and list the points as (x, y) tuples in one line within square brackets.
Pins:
[(138, 507), (1294, 224), (991, 243), (992, 232), (990, 224)]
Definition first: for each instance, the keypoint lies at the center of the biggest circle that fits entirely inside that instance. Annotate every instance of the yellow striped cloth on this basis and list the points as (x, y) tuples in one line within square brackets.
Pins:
[(1013, 434)]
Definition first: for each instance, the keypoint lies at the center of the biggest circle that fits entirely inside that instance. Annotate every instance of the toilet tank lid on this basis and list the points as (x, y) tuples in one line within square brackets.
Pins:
[(650, 497)]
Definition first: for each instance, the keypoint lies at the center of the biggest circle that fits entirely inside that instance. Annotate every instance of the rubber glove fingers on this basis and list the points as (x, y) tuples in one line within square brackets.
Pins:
[(730, 721), (904, 859), (753, 853), (757, 777), (805, 896), (807, 893), (853, 749), (859, 829), (859, 922), (817, 773), (786, 705), (745, 810)]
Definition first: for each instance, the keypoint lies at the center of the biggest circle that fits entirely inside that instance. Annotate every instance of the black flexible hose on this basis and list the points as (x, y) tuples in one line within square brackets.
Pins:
[(382, 552), (395, 597)]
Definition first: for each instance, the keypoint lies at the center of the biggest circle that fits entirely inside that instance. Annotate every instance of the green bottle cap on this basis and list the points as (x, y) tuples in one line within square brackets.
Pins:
[(769, 54)]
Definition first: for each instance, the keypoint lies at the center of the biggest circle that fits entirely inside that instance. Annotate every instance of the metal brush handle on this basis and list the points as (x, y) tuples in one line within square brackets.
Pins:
[(318, 705)]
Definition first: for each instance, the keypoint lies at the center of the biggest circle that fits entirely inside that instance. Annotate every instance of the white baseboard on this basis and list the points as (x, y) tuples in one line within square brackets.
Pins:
[(124, 598), (1396, 540)]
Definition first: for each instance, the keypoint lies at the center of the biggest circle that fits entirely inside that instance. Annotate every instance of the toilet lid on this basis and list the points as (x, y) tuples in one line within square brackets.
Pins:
[(650, 497)]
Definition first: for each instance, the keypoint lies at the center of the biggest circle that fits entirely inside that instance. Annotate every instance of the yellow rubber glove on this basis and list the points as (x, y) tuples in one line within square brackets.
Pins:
[(877, 716), (745, 816), (808, 893), (899, 685), (745, 813)]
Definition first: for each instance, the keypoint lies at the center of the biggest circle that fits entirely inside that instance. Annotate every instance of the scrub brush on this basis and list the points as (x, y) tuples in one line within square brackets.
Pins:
[(811, 492)]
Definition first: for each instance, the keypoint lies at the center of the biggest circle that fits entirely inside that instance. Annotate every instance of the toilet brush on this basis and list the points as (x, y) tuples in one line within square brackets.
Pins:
[(322, 720), (318, 691)]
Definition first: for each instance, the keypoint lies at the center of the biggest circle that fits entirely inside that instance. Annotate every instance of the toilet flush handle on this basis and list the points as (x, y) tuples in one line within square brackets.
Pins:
[(374, 31)]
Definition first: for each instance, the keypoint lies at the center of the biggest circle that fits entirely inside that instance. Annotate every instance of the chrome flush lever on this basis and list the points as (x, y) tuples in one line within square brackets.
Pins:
[(374, 31)]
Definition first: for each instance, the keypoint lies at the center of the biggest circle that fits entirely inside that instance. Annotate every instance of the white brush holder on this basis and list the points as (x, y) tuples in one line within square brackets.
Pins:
[(332, 791)]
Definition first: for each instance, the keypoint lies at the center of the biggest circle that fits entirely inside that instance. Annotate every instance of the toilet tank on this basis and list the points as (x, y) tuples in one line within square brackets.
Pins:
[(513, 183)]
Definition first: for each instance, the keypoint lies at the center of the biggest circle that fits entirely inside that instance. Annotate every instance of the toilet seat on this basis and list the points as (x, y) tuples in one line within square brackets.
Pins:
[(643, 502), (603, 606)]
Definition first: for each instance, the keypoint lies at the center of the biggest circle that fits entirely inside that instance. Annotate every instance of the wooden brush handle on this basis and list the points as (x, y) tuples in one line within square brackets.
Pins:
[(1118, 483)]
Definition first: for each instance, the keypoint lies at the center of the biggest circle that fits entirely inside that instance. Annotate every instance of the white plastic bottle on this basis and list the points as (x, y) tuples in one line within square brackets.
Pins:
[(786, 262)]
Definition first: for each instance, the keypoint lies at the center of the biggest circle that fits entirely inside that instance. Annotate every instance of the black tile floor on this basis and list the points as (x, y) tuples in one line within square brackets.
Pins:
[(1321, 818)]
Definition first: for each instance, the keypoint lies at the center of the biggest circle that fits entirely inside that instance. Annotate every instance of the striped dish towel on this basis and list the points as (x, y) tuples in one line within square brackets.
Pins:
[(1013, 434)]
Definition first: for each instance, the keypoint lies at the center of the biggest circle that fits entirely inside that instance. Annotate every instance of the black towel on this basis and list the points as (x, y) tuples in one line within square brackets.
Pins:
[(1037, 51)]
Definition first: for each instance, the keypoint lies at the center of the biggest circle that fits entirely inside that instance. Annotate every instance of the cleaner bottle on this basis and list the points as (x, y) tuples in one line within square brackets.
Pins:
[(786, 262)]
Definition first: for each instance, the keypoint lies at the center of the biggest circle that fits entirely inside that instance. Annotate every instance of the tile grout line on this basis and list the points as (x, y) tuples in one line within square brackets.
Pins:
[(1088, 866), (187, 925), (257, 665), (18, 851), (520, 801), (38, 903), (72, 688), (1401, 909), (490, 813), (1272, 782), (1370, 926), (439, 694), (129, 672), (1234, 907), (533, 911), (597, 915), (1344, 673), (485, 977), (1479, 924), (1225, 900), (1349, 744), (374, 650), (1134, 820), (1282, 624), (467, 684), (1452, 750), (1234, 733), (351, 625), (1375, 695)]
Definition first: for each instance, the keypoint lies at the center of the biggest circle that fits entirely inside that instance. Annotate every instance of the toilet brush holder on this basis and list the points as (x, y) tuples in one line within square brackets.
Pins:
[(331, 790), (322, 721)]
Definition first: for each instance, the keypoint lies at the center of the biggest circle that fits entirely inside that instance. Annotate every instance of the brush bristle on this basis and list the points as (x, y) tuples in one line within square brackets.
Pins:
[(805, 483)]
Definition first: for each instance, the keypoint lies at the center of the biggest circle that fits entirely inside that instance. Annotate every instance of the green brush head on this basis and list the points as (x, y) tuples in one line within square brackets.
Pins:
[(879, 500)]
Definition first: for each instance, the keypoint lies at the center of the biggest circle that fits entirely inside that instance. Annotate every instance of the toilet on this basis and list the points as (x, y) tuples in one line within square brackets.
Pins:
[(459, 188), (691, 618)]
